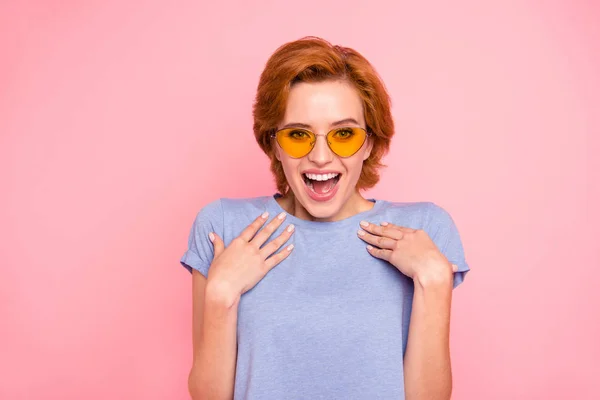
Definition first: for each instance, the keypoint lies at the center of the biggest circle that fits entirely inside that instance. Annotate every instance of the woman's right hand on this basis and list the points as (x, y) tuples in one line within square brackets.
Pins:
[(239, 267)]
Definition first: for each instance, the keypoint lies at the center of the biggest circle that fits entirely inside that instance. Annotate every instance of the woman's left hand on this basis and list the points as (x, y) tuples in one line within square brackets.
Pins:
[(411, 251)]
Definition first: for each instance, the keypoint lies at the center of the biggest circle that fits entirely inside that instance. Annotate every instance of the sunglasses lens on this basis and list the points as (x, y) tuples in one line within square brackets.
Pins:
[(345, 142), (296, 142)]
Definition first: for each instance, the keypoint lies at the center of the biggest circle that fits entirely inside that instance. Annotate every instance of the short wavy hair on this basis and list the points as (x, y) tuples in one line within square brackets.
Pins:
[(312, 59)]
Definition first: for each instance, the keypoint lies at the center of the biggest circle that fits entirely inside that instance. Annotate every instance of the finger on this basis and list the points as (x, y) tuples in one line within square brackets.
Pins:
[(454, 268), (380, 241), (249, 232), (218, 244), (386, 231), (265, 233), (276, 243), (278, 257), (380, 253), (401, 228)]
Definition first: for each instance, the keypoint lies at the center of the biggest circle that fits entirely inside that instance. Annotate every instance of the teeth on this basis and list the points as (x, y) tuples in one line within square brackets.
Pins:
[(321, 177)]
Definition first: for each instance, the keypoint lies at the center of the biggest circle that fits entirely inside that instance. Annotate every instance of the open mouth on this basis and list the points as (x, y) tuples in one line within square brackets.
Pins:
[(321, 184)]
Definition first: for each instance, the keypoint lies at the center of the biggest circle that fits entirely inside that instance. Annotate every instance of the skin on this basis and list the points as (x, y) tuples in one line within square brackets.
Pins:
[(427, 366), (238, 267), (233, 271), (412, 252), (320, 105)]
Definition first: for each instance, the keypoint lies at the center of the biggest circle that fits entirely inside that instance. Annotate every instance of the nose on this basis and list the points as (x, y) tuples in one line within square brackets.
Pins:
[(321, 154)]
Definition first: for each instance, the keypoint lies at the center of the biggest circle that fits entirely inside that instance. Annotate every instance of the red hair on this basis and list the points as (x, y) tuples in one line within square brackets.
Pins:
[(313, 59)]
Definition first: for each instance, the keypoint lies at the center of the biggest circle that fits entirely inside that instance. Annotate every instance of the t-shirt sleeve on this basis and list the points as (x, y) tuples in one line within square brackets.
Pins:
[(200, 252), (447, 238)]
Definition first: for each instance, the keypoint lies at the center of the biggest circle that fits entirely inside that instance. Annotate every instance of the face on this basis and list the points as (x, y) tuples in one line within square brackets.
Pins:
[(321, 107)]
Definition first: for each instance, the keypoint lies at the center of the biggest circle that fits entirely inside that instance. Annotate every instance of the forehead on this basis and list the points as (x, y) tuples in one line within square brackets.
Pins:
[(319, 104)]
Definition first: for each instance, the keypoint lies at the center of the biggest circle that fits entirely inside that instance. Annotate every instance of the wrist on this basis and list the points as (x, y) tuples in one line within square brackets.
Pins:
[(219, 293), (439, 276)]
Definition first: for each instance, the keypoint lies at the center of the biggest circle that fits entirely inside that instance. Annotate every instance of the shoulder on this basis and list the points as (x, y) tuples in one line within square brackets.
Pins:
[(244, 204), (438, 215), (398, 207), (416, 214), (441, 228), (425, 215), (223, 206), (429, 210), (223, 214), (423, 207), (211, 210), (242, 211)]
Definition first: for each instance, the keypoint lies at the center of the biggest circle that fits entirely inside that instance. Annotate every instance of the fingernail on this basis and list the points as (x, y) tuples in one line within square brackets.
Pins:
[(369, 247), (364, 223), (265, 215), (290, 228), (211, 236), (281, 216), (290, 247), (454, 267), (361, 233), (384, 224)]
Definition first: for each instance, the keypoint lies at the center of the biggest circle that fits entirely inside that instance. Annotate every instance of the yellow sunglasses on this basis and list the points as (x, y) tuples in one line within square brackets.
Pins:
[(298, 142)]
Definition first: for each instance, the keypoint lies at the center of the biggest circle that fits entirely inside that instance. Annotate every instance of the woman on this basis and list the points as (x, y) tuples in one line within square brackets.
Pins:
[(317, 292)]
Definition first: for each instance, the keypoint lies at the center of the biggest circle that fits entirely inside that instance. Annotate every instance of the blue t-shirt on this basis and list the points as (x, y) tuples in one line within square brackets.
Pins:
[(330, 321)]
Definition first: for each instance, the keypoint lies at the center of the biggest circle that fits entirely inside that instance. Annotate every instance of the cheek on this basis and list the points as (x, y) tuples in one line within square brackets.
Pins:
[(289, 165), (354, 167)]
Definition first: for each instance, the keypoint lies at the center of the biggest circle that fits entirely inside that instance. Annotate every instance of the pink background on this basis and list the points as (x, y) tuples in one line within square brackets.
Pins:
[(119, 120)]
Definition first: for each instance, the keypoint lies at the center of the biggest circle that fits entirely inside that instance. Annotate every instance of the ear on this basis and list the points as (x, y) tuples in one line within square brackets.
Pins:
[(370, 143), (275, 148), (276, 151)]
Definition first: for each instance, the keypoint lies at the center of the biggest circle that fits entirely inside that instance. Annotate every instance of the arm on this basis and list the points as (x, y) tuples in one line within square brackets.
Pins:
[(427, 369), (214, 327), (216, 295)]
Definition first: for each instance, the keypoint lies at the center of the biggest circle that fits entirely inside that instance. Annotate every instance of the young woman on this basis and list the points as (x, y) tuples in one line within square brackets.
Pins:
[(317, 292)]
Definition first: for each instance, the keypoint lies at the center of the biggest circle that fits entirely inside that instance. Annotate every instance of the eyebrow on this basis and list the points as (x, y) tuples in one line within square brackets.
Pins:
[(306, 126)]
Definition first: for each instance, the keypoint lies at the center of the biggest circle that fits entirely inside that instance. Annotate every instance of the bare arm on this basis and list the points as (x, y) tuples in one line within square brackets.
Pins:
[(214, 341), (233, 271), (427, 369)]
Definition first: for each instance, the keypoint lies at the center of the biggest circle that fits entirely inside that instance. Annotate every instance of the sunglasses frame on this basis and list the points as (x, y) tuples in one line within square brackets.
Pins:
[(367, 135)]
